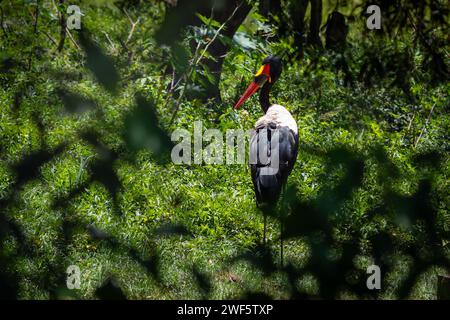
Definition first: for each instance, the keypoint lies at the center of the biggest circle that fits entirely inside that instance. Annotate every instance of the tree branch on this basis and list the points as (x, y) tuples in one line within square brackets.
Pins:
[(1, 23), (133, 25), (63, 25), (424, 126), (217, 34), (72, 39)]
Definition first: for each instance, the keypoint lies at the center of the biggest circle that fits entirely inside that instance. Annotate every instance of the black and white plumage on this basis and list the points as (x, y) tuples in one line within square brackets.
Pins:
[(278, 123), (275, 137)]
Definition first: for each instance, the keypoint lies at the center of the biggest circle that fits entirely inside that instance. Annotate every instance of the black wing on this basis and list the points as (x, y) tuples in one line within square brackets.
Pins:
[(264, 150)]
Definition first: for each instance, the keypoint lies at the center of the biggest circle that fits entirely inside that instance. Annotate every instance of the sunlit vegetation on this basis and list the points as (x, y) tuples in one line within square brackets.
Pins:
[(86, 177)]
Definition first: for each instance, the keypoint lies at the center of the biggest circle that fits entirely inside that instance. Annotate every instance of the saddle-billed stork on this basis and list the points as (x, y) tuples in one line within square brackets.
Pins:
[(274, 141)]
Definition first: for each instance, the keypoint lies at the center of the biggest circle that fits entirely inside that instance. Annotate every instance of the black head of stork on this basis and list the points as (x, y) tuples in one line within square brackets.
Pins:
[(274, 142)]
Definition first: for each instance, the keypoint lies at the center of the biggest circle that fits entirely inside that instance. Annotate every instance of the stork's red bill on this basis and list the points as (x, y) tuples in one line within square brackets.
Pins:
[(261, 77)]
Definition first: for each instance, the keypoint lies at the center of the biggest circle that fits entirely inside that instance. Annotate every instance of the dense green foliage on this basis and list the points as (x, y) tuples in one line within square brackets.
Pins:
[(82, 180)]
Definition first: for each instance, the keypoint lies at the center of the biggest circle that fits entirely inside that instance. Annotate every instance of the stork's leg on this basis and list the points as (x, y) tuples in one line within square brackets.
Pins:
[(281, 243), (282, 215), (265, 226)]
